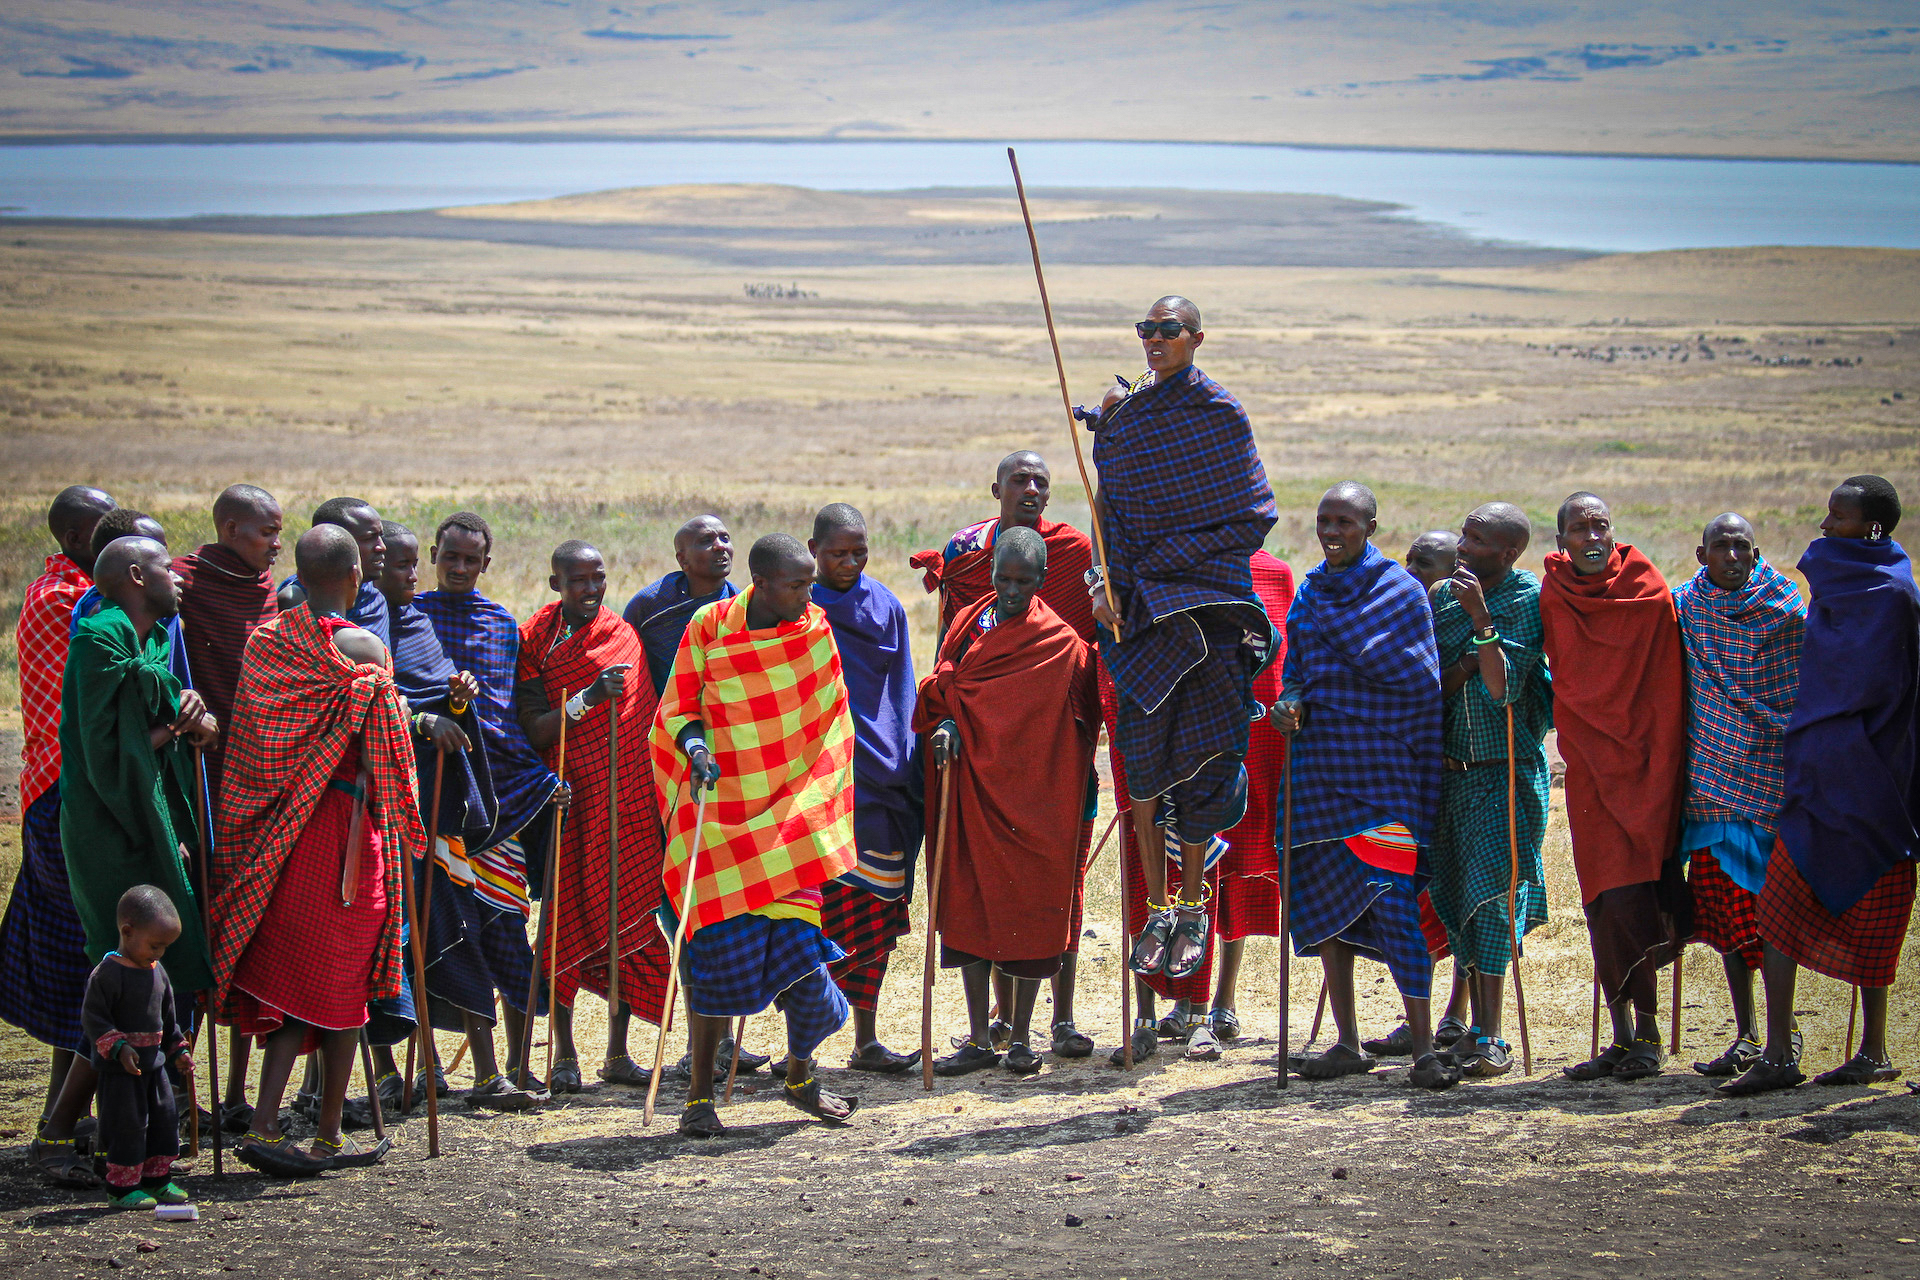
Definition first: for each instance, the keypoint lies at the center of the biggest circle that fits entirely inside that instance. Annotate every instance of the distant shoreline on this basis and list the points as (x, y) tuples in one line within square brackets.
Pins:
[(241, 139)]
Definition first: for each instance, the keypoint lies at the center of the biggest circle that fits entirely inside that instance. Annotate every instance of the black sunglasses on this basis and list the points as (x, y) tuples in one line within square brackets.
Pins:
[(1165, 328)]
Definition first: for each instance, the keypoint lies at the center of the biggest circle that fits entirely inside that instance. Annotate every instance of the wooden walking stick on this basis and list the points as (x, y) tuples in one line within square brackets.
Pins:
[(1853, 1008), (203, 839), (673, 958), (613, 870), (1679, 963), (1319, 1012), (1286, 892), (933, 927), (459, 1055), (1073, 424), (1099, 848), (373, 1087), (733, 1066), (1513, 890), (549, 924), (1126, 951), (424, 1027), (1594, 1052)]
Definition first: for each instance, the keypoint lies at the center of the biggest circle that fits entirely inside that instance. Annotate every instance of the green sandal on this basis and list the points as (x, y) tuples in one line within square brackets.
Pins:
[(171, 1193), (133, 1198)]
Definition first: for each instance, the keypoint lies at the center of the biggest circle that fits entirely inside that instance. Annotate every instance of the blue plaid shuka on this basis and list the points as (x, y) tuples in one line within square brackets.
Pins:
[(1743, 672), (1194, 633), (1361, 657), (738, 967), (43, 949), (1372, 910)]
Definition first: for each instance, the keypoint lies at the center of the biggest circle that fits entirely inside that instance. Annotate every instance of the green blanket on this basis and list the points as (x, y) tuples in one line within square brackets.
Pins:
[(124, 806)]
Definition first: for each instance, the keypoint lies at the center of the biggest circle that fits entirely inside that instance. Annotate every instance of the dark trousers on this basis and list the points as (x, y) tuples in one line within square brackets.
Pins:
[(137, 1120)]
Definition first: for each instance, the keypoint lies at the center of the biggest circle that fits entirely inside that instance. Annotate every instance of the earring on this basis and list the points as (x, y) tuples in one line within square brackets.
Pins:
[(1875, 533)]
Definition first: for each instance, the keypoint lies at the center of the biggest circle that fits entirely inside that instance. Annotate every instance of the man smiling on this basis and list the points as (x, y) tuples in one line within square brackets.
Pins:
[(1613, 642), (1186, 633)]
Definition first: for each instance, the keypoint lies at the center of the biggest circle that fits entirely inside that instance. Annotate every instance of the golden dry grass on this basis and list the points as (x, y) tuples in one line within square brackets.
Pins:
[(571, 393)]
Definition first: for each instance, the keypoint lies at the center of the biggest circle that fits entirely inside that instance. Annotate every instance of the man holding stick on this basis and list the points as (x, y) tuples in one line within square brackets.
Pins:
[(962, 572), (1186, 633), (866, 911), (576, 660), (757, 712), (477, 946), (1486, 620), (318, 821), (1013, 709)]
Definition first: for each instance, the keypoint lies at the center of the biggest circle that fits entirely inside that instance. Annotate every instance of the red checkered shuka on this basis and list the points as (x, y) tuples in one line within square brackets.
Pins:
[(1249, 901), (46, 615), (299, 705), (1861, 946), (565, 664), (775, 709), (967, 579), (1723, 912)]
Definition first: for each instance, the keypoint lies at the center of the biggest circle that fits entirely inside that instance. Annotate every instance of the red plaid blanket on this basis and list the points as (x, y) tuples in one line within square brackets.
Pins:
[(565, 667), (297, 710), (41, 638)]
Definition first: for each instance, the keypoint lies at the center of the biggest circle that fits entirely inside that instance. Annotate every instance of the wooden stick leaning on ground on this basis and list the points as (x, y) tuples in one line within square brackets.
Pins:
[(1853, 1008), (1319, 1012), (1097, 849), (203, 874), (613, 867), (373, 1087), (1126, 953), (1286, 892), (424, 1025), (1513, 890), (1679, 963), (1073, 424), (733, 1061), (431, 1067), (1595, 1052), (549, 925), (673, 953), (933, 923)]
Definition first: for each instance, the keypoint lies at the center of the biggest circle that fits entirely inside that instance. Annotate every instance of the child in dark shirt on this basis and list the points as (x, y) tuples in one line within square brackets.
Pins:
[(129, 1020)]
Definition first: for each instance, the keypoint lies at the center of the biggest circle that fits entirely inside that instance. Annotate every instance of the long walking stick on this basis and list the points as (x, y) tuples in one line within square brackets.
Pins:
[(1679, 964), (1594, 1052), (613, 870), (673, 958), (373, 1089), (1513, 890), (1319, 1012), (1853, 1008), (549, 931), (1126, 951), (1097, 849), (424, 1028), (1073, 425), (204, 874), (1286, 892), (933, 925), (733, 1066)]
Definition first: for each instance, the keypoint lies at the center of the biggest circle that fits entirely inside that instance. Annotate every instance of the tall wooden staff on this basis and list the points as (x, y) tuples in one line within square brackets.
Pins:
[(1513, 889), (549, 926), (613, 863), (933, 921), (1679, 963), (673, 958), (1286, 893), (204, 874), (373, 1087), (425, 1024), (1073, 425), (1126, 946)]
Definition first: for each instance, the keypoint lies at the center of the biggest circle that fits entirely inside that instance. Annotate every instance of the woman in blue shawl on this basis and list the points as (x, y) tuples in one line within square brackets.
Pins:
[(1839, 887)]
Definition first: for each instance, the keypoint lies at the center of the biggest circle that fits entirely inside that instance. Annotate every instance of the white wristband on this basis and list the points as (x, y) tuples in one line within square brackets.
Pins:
[(691, 743), (577, 705)]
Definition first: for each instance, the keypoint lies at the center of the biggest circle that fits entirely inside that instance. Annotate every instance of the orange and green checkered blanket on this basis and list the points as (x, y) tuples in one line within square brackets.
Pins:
[(775, 709)]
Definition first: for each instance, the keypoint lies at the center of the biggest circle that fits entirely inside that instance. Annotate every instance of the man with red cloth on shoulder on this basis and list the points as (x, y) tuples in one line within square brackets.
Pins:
[(576, 658), (317, 818), (963, 575), (1014, 711), (1619, 686)]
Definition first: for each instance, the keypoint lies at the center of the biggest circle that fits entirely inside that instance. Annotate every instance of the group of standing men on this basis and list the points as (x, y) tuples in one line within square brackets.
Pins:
[(755, 773)]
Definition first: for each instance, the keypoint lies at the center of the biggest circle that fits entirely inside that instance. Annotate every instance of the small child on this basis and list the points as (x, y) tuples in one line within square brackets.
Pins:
[(129, 1020)]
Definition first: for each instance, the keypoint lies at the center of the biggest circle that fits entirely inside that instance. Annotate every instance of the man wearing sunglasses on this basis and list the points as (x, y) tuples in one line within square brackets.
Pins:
[(1185, 633)]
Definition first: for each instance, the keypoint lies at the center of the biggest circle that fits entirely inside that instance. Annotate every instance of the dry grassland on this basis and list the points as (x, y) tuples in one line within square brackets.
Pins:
[(565, 393)]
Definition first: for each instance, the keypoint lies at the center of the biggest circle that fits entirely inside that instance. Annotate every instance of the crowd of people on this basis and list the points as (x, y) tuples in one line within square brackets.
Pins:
[(317, 811)]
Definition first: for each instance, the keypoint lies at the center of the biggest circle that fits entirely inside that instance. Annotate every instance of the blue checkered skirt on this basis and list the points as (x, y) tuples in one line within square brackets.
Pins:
[(738, 967), (475, 949), (43, 949), (1337, 897)]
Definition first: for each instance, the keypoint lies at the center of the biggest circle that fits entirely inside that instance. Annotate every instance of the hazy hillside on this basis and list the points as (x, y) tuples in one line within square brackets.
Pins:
[(1765, 77)]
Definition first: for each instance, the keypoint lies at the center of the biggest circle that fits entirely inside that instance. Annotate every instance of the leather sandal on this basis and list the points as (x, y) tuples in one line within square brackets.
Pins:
[(566, 1077), (1643, 1060), (808, 1096), (1447, 1030), (1336, 1062), (1071, 1042), (497, 1093), (1187, 947), (1146, 1043), (1021, 1059), (1225, 1023), (622, 1070), (1597, 1068), (279, 1157), (1859, 1069), (1762, 1077), (700, 1119), (965, 1060), (1396, 1044), (878, 1059), (1489, 1058), (1738, 1056), (1149, 955), (1429, 1072), (59, 1161), (1202, 1045), (346, 1153)]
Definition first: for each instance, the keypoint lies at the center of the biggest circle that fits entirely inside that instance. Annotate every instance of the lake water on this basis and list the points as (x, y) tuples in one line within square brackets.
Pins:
[(1584, 202)]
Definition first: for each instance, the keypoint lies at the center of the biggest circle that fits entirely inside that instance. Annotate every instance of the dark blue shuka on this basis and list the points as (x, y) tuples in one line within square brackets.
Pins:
[(659, 613), (1853, 791)]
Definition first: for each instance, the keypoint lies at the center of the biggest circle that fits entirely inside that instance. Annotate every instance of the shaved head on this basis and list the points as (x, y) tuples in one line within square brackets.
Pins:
[(1441, 540), (75, 507), (834, 516), (146, 906), (1355, 494), (1580, 499), (326, 556), (775, 552), (1020, 543), (1020, 458), (574, 551), (110, 568), (1504, 523), (693, 529), (1179, 306), (243, 502), (1727, 522)]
